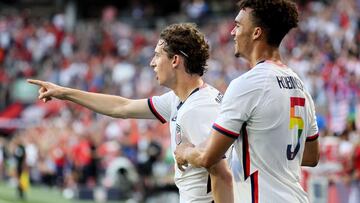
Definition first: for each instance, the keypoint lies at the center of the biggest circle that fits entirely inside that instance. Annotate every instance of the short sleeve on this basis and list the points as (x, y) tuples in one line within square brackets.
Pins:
[(160, 106), (313, 130), (239, 102)]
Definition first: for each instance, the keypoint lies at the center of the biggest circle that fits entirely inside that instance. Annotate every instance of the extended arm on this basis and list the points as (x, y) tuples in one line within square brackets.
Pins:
[(110, 105), (311, 153)]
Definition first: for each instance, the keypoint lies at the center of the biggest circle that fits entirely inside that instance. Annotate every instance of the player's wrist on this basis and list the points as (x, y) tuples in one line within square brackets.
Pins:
[(65, 93)]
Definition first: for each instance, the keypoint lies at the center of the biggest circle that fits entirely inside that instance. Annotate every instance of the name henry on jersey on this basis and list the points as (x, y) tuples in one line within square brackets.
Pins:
[(289, 82)]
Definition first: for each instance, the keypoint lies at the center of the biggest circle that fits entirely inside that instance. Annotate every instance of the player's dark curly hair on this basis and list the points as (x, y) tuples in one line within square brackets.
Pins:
[(186, 40), (276, 17)]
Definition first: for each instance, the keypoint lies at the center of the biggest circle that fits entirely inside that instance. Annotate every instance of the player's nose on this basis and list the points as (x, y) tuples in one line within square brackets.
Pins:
[(152, 63), (233, 31)]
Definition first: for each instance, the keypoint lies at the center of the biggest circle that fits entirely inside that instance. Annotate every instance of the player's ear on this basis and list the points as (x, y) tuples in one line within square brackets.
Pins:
[(176, 60), (257, 33)]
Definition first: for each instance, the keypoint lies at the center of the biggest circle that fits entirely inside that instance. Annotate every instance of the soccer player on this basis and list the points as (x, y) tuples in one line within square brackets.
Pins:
[(20, 160), (190, 108), (266, 113)]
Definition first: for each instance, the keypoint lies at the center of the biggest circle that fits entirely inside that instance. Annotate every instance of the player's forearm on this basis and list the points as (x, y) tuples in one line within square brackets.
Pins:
[(221, 182), (199, 158), (311, 154), (110, 105), (194, 156), (222, 190), (310, 161), (211, 154)]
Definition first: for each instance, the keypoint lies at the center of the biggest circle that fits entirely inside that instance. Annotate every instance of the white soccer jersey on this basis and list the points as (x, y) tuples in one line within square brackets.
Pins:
[(193, 119), (271, 116)]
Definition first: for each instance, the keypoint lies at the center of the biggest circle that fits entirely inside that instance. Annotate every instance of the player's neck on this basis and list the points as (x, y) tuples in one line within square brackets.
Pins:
[(264, 52), (185, 86)]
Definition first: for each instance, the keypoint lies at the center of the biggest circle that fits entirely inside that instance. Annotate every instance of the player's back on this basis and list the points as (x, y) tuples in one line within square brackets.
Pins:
[(271, 141)]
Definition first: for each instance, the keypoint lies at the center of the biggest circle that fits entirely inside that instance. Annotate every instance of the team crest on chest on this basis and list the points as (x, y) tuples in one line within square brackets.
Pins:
[(178, 134)]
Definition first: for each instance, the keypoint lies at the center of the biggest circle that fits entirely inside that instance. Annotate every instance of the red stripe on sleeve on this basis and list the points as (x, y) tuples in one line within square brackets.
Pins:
[(153, 110), (312, 138), (225, 131)]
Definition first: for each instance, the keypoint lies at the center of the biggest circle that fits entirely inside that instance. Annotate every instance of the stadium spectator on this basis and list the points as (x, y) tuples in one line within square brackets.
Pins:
[(179, 62), (307, 51)]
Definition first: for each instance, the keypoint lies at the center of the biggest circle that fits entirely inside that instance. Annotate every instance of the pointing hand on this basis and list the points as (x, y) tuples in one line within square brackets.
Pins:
[(48, 90)]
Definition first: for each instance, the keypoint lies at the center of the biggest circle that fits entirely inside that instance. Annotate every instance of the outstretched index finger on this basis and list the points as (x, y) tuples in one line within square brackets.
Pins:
[(36, 82)]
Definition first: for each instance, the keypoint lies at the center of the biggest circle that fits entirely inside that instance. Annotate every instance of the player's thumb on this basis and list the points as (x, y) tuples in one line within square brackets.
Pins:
[(45, 95), (185, 139)]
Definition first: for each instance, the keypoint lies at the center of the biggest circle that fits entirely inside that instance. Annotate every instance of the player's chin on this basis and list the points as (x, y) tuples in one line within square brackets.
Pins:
[(236, 52), (158, 80)]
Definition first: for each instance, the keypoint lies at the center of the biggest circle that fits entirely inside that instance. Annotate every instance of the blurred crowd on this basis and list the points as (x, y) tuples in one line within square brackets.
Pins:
[(68, 146)]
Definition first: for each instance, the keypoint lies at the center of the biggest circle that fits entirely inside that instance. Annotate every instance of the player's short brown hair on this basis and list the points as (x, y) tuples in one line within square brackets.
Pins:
[(276, 17), (186, 40)]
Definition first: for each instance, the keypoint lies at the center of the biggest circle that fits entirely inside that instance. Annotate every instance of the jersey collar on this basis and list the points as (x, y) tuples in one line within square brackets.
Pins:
[(182, 102)]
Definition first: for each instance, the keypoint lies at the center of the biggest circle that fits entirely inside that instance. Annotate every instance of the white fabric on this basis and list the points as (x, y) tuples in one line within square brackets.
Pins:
[(193, 120), (260, 103)]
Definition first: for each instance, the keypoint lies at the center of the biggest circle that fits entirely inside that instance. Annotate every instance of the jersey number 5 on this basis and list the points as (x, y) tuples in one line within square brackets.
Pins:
[(295, 121)]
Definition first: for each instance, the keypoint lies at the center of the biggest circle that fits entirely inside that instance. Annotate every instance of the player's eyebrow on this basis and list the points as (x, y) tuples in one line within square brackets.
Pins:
[(237, 22), (156, 53)]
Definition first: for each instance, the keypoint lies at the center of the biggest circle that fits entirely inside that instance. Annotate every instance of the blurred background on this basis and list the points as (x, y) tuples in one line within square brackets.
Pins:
[(62, 152)]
